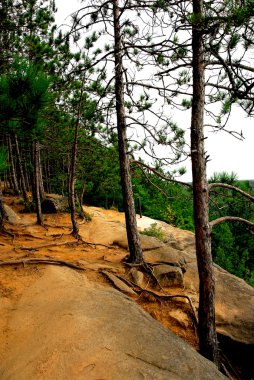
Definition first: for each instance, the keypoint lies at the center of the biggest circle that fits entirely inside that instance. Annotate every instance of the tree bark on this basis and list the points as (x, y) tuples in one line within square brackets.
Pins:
[(207, 327), (36, 173), (72, 168), (72, 179), (2, 212), (41, 185), (136, 255), (21, 172), (12, 166)]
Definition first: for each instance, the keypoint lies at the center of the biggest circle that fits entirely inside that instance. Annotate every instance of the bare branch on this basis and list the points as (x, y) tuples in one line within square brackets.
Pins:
[(231, 187), (230, 219), (142, 165)]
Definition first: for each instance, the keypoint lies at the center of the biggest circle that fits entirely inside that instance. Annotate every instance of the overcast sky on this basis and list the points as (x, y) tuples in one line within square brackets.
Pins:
[(226, 152)]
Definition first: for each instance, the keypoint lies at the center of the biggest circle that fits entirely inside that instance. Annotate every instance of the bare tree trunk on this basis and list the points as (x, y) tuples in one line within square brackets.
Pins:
[(41, 185), (2, 212), (21, 172), (136, 255), (46, 171), (207, 327), (27, 176), (80, 200), (72, 170), (12, 166), (37, 182)]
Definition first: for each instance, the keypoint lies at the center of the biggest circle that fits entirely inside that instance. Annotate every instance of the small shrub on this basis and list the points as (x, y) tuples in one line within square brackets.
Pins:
[(114, 208), (88, 217), (155, 231)]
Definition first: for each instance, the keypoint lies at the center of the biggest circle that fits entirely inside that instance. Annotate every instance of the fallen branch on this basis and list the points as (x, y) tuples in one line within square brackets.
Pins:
[(41, 261)]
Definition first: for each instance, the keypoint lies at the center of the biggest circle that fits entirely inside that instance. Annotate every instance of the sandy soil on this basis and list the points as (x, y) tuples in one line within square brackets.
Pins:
[(54, 241)]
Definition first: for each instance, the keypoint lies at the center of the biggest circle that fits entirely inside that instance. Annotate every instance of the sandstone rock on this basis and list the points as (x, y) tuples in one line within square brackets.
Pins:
[(54, 203), (234, 298), (11, 216), (64, 327), (165, 254), (168, 275), (147, 242), (176, 244), (138, 277), (119, 284)]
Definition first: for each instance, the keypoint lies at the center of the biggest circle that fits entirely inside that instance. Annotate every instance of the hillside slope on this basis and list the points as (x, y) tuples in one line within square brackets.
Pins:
[(48, 312)]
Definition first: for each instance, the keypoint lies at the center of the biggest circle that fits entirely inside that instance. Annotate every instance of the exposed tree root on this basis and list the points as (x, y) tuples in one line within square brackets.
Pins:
[(164, 296), (27, 235), (4, 231), (147, 268), (68, 243), (41, 261), (58, 226), (169, 296)]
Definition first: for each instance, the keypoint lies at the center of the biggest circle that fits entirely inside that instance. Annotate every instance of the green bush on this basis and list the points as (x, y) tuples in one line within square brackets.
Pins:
[(88, 216), (155, 231)]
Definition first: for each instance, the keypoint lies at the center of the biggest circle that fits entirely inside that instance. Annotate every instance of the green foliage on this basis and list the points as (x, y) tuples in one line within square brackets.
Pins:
[(172, 204), (3, 159), (226, 106), (155, 231), (32, 96), (232, 243), (160, 5), (187, 103), (88, 216)]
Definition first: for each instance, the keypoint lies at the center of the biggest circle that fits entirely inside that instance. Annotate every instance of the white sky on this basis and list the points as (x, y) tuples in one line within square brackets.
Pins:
[(226, 152)]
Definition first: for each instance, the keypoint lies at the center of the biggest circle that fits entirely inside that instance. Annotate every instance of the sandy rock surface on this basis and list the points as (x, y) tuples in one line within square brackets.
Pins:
[(65, 327), (54, 322), (234, 298)]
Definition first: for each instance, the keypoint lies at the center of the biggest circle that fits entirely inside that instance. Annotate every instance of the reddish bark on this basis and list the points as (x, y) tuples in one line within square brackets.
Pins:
[(207, 327), (136, 255)]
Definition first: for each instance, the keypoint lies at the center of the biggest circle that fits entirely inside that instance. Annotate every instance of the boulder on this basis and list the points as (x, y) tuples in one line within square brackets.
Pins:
[(168, 275), (165, 254), (119, 284), (11, 215), (148, 242), (65, 327), (53, 204), (138, 277)]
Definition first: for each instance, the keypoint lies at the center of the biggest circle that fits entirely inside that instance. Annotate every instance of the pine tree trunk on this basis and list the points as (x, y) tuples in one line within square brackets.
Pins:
[(2, 212), (136, 255), (41, 185), (37, 198), (21, 172), (12, 166), (46, 171), (207, 327), (75, 228), (72, 168)]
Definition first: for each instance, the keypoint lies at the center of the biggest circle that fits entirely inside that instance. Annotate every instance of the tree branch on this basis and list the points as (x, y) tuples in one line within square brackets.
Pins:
[(231, 187), (231, 219), (141, 164)]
